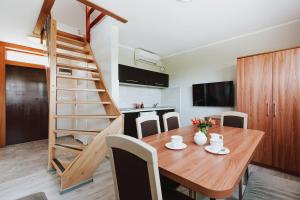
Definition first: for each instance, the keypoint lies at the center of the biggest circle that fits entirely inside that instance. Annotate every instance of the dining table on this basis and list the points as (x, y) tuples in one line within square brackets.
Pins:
[(212, 175)]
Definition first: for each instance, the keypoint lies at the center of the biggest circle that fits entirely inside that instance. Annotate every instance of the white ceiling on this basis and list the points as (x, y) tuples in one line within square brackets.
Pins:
[(168, 26), (162, 26)]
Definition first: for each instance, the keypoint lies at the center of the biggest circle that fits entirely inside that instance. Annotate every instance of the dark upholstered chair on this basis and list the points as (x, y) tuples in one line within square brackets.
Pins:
[(171, 121), (135, 170), (147, 125), (263, 186), (237, 120), (234, 119)]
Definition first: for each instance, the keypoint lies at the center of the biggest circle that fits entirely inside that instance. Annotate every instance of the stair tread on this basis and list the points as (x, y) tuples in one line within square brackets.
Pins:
[(58, 166), (87, 116), (82, 130), (73, 49), (82, 89), (70, 146), (82, 102), (70, 35), (77, 132), (77, 77), (70, 41), (75, 67), (71, 57)]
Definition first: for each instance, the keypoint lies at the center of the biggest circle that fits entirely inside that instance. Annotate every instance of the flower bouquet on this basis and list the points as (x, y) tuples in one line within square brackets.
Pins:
[(203, 124)]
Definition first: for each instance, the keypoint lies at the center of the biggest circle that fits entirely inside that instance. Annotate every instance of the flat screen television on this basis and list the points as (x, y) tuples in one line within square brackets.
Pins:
[(219, 94)]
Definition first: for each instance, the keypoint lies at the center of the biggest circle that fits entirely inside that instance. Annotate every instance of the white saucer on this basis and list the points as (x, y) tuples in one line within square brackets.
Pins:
[(223, 151), (179, 147)]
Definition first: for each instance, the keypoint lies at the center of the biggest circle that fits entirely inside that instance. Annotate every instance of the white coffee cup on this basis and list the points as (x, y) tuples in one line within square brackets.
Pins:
[(176, 140), (216, 142)]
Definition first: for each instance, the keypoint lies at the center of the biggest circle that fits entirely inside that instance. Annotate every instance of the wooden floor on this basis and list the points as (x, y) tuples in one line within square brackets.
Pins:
[(23, 171)]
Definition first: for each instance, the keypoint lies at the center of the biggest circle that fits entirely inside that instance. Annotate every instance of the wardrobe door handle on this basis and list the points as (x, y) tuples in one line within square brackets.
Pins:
[(268, 109), (274, 111)]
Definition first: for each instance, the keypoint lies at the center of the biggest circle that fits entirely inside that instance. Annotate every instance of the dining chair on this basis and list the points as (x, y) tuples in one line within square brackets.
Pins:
[(237, 120), (135, 170), (234, 119), (171, 121), (147, 125)]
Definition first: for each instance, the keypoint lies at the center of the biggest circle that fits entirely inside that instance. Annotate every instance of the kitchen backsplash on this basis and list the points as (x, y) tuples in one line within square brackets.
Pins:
[(130, 95)]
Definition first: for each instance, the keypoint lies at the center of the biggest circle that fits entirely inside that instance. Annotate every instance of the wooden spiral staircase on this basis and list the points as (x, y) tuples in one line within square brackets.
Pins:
[(71, 60)]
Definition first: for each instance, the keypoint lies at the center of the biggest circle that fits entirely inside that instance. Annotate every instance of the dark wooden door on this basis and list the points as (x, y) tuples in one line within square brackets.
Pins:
[(26, 105), (286, 113), (254, 97)]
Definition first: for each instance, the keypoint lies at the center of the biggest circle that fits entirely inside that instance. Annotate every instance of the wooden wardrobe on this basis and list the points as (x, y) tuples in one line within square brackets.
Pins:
[(268, 89)]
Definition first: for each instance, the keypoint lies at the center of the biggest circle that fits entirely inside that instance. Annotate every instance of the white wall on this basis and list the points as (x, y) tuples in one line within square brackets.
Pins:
[(70, 12), (130, 95), (218, 63), (105, 45)]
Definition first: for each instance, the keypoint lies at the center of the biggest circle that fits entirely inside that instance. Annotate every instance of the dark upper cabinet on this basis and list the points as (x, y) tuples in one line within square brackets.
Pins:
[(159, 79), (133, 75)]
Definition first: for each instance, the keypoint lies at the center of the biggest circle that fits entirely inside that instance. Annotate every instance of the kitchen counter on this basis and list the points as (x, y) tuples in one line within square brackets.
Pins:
[(132, 110)]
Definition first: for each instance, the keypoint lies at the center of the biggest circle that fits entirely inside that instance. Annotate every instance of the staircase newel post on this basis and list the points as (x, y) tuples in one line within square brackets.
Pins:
[(52, 90)]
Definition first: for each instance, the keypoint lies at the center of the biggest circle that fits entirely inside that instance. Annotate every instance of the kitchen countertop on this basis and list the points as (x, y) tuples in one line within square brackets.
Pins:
[(131, 110)]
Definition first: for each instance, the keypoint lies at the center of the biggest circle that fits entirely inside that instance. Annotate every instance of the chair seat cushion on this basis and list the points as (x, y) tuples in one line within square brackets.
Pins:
[(265, 187)]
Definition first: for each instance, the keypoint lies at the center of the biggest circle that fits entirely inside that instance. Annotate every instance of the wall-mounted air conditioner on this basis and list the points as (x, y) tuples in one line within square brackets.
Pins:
[(147, 57)]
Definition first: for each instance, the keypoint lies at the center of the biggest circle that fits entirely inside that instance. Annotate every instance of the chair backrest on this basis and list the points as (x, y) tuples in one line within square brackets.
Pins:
[(135, 168), (147, 125), (234, 119), (171, 121)]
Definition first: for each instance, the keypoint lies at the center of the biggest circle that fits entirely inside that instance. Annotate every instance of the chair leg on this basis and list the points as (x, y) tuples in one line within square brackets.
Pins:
[(240, 190), (192, 194), (247, 176)]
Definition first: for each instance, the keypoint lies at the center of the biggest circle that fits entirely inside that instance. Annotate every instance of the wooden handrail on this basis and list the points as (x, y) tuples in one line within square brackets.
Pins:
[(44, 13), (103, 10)]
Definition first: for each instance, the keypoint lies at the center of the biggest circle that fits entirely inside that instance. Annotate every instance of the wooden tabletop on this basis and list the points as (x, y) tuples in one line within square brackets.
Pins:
[(215, 176)]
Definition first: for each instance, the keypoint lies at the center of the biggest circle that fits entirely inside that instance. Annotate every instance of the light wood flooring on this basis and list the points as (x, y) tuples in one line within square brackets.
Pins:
[(23, 171)]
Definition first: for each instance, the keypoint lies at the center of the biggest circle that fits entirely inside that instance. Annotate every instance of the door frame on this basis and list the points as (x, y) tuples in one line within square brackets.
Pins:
[(4, 47)]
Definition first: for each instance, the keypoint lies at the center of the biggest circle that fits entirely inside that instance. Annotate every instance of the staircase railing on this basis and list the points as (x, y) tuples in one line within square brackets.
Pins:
[(82, 168)]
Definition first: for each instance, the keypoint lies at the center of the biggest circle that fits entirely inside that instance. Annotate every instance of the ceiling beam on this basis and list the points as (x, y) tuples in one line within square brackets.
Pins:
[(45, 11), (103, 10), (100, 17)]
